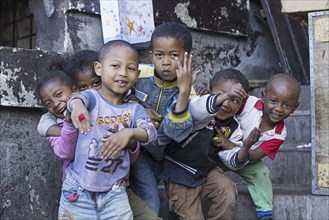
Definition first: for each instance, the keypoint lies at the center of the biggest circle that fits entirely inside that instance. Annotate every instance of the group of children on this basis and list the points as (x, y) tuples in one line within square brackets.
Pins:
[(116, 148)]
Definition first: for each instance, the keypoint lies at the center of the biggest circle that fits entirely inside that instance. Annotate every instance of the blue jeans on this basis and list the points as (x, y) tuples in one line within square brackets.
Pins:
[(78, 203), (144, 179)]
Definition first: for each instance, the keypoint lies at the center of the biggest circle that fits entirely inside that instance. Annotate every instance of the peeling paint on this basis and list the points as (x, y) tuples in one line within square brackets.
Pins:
[(34, 197), (6, 204), (19, 71), (229, 17), (223, 11), (82, 7), (13, 87), (182, 13)]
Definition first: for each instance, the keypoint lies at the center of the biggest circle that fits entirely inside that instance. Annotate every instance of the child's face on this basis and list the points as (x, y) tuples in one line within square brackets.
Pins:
[(163, 54), (54, 96), (118, 71), (87, 80), (229, 107), (279, 101)]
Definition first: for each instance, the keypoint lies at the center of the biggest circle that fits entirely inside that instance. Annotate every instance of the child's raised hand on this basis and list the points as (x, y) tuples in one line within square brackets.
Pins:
[(252, 138), (80, 116), (185, 78), (237, 91)]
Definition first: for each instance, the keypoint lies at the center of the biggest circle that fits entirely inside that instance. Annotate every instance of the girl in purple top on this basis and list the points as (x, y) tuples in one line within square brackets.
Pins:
[(95, 184)]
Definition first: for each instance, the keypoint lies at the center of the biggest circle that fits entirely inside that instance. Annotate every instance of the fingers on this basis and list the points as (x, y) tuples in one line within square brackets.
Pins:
[(188, 62), (156, 124), (110, 148), (115, 129), (219, 132), (180, 70), (202, 91), (81, 121), (155, 116), (195, 75), (240, 90), (125, 125)]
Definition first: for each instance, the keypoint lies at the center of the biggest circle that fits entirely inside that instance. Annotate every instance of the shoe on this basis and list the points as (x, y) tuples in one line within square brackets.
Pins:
[(265, 217)]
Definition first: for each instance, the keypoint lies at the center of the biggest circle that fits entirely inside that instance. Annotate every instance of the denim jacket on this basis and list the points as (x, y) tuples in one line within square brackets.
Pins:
[(154, 93)]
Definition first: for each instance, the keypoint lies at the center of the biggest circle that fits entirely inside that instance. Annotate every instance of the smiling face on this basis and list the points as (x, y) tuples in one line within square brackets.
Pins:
[(118, 71), (87, 80), (54, 95), (229, 107), (163, 54), (280, 100)]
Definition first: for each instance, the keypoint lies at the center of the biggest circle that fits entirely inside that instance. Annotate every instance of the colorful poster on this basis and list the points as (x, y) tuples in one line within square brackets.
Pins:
[(127, 20)]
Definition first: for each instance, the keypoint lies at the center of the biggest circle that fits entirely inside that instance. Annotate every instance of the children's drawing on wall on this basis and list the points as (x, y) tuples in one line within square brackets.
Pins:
[(127, 20)]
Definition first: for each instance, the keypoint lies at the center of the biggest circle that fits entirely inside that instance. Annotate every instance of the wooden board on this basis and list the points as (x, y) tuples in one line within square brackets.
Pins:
[(319, 74)]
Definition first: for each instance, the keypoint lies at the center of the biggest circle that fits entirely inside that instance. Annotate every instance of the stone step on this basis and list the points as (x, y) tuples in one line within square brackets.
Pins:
[(299, 127), (294, 206), (295, 203), (289, 168)]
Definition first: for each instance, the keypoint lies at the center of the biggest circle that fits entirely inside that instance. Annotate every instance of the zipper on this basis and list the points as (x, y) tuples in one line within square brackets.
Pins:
[(160, 96)]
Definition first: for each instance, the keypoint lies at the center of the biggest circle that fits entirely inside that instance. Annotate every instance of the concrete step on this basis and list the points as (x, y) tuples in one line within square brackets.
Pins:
[(293, 203), (292, 206), (289, 168), (299, 127)]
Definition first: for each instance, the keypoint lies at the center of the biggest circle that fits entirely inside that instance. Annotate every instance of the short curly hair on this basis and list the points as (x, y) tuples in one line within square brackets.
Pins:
[(230, 74), (173, 30)]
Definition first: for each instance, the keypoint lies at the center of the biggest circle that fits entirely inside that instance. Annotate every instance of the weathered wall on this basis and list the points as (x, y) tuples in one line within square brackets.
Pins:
[(30, 174), (74, 25)]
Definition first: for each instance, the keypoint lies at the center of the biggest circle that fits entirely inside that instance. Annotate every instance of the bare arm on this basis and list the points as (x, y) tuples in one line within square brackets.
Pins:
[(256, 154), (245, 151)]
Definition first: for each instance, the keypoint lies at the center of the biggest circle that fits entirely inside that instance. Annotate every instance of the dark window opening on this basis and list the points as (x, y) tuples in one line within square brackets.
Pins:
[(17, 27)]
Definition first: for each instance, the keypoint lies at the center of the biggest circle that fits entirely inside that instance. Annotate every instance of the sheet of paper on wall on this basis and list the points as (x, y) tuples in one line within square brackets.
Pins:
[(127, 20)]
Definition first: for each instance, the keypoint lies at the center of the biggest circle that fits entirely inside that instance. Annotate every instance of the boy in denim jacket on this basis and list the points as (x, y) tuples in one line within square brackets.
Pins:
[(168, 89)]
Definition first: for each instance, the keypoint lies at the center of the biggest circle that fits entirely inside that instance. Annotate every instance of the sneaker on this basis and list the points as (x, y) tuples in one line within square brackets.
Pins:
[(266, 217)]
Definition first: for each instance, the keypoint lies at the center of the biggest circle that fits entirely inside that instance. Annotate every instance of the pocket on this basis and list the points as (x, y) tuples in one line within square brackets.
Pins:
[(70, 190), (177, 196)]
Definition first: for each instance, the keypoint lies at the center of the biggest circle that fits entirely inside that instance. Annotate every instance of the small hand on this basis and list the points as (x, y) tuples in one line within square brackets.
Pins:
[(185, 77), (202, 91), (115, 143), (237, 91), (116, 148), (80, 116), (221, 141), (252, 138), (155, 117)]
